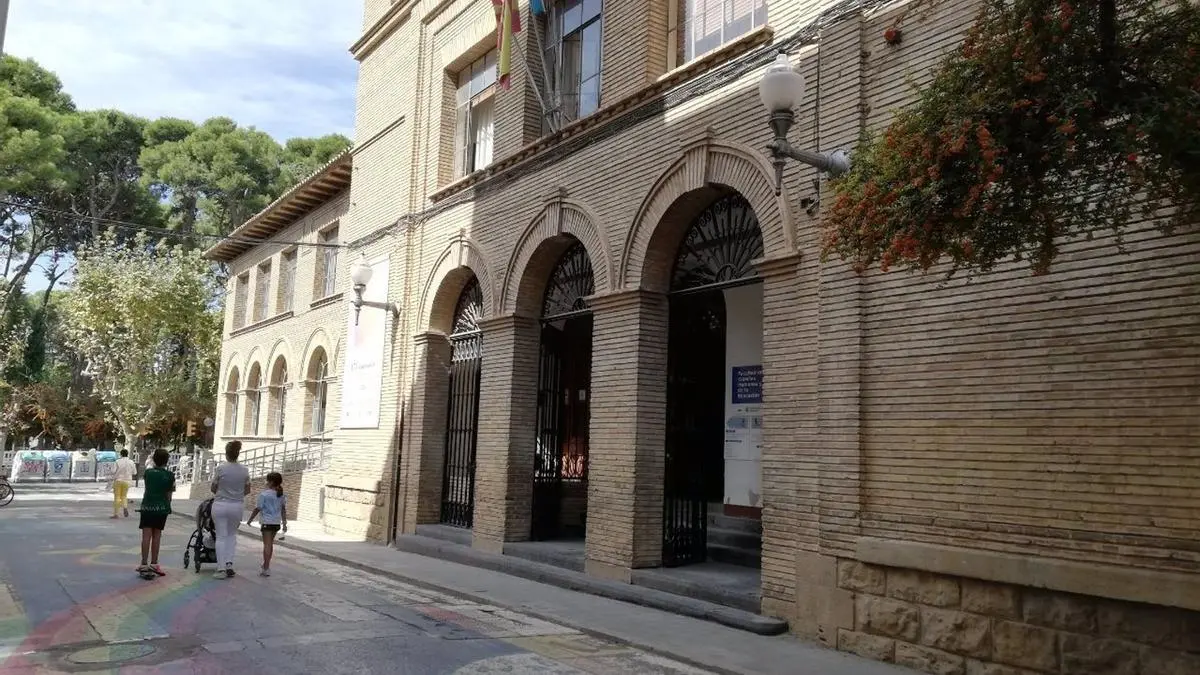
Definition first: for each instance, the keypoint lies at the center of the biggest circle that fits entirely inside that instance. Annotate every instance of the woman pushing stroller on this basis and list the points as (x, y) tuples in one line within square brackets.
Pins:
[(231, 484)]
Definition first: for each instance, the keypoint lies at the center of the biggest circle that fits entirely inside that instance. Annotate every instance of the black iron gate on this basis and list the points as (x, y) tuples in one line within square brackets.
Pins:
[(695, 423), (564, 371), (462, 414), (547, 460), (717, 252)]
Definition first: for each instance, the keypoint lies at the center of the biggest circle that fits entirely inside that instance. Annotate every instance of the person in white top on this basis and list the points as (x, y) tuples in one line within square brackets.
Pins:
[(122, 478), (231, 484)]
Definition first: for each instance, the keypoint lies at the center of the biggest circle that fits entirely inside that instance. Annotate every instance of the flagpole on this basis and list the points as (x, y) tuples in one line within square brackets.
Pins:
[(533, 81)]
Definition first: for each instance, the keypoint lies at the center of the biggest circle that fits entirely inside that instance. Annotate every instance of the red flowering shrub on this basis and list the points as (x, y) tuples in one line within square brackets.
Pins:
[(1053, 120)]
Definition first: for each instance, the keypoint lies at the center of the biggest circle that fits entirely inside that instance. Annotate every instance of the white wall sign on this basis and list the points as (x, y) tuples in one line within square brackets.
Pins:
[(362, 378), (743, 396)]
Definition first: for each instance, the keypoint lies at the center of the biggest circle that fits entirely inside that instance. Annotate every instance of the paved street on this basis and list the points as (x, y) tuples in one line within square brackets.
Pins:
[(71, 603)]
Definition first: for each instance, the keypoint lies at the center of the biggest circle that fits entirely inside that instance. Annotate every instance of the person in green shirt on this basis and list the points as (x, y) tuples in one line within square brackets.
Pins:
[(156, 506)]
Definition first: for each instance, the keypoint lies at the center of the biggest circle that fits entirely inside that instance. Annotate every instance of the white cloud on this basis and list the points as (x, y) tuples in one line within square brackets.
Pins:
[(279, 65)]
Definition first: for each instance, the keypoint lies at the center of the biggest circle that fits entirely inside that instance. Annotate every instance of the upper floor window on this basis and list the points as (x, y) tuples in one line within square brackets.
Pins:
[(327, 279), (712, 23), (262, 292), (573, 49), (287, 280), (241, 295), (475, 115)]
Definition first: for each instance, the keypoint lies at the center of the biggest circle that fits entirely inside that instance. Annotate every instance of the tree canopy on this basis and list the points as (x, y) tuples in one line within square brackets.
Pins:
[(93, 192)]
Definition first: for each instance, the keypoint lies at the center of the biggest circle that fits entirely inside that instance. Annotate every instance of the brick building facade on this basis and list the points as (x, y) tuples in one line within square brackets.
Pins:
[(989, 476)]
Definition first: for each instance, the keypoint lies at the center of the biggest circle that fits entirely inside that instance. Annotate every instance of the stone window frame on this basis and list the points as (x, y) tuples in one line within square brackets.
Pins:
[(288, 262), (590, 17), (262, 290), (682, 25), (325, 280), (475, 87)]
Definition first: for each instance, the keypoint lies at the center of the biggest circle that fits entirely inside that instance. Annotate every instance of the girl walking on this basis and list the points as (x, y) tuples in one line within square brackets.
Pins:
[(272, 505), (231, 484)]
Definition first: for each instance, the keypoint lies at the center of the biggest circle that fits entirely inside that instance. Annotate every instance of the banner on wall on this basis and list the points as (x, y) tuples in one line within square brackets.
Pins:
[(362, 376)]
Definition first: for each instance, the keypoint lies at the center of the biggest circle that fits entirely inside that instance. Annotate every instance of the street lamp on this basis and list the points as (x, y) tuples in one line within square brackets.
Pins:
[(781, 90), (360, 276)]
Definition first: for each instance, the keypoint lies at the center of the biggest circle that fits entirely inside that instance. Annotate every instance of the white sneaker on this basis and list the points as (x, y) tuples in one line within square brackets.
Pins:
[(264, 572), (220, 574)]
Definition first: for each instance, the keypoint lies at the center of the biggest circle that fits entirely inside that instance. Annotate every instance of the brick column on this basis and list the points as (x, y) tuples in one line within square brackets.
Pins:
[(421, 463), (627, 433), (823, 609), (507, 423)]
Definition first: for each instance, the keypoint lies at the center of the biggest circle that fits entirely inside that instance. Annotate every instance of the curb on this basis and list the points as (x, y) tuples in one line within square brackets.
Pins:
[(483, 599)]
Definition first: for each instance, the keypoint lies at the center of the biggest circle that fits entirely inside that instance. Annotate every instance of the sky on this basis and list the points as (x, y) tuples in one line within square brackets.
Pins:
[(282, 66)]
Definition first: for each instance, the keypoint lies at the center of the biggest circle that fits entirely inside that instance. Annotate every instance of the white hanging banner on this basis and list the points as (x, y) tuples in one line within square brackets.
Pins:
[(362, 378)]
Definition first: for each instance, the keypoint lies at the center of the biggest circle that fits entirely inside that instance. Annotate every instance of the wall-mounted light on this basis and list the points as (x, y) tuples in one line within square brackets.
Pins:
[(360, 276), (781, 90)]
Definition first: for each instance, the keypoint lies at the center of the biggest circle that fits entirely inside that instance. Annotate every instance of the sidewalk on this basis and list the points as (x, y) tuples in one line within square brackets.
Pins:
[(696, 641)]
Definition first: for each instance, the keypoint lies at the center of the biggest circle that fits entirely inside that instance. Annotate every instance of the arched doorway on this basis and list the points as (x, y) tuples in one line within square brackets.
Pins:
[(559, 500), (714, 375), (462, 415)]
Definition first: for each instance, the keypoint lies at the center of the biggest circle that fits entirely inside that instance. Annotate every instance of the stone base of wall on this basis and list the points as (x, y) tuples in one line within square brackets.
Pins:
[(955, 626), (355, 509)]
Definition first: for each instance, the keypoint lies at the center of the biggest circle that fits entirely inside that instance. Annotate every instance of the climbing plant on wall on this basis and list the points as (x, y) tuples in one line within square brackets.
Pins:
[(1053, 120)]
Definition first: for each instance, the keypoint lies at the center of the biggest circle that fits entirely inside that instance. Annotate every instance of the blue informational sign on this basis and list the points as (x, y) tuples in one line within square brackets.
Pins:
[(747, 384)]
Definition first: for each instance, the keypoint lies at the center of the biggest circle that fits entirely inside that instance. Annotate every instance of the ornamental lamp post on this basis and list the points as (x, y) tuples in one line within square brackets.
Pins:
[(360, 276), (781, 90)]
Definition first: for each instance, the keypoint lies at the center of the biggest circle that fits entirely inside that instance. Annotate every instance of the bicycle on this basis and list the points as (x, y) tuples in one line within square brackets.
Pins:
[(6, 492)]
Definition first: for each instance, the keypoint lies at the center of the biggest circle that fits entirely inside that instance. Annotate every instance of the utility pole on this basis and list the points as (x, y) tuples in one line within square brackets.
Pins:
[(3, 21)]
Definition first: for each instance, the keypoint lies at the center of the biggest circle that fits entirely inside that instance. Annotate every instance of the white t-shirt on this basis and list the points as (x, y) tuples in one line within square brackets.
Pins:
[(231, 481), (124, 470)]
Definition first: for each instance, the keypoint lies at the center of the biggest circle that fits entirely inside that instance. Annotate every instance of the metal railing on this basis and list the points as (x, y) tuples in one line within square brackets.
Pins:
[(298, 454)]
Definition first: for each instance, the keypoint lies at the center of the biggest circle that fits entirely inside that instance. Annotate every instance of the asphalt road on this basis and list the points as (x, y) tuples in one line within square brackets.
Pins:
[(70, 602)]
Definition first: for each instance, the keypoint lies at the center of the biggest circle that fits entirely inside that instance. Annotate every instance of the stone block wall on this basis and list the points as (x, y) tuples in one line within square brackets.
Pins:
[(950, 625)]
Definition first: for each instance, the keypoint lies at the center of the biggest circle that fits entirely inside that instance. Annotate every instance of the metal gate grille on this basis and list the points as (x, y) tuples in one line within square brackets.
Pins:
[(462, 415), (716, 253), (564, 373)]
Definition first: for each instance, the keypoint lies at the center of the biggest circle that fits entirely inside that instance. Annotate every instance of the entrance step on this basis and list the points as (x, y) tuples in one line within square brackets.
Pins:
[(568, 555), (720, 521), (716, 582), (457, 535), (735, 556), (557, 576), (718, 536)]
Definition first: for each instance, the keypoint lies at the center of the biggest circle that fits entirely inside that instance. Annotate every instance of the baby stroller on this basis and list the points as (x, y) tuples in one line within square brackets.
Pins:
[(202, 547)]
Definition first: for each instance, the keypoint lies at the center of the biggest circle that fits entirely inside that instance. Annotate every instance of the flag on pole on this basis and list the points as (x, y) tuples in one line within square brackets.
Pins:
[(508, 24), (537, 7)]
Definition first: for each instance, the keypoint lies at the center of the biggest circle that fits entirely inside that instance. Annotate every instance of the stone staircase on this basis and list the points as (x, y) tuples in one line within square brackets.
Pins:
[(733, 540)]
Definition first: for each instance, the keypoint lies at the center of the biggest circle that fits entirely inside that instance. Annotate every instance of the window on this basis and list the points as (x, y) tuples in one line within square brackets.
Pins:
[(262, 292), (319, 391), (279, 384), (287, 280), (475, 115), (712, 23), (231, 404), (241, 293), (573, 47), (329, 259), (253, 400)]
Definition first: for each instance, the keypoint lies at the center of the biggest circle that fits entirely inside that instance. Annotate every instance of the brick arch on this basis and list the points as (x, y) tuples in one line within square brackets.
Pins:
[(558, 222), (233, 369), (281, 348), (317, 339), (454, 267), (707, 166)]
